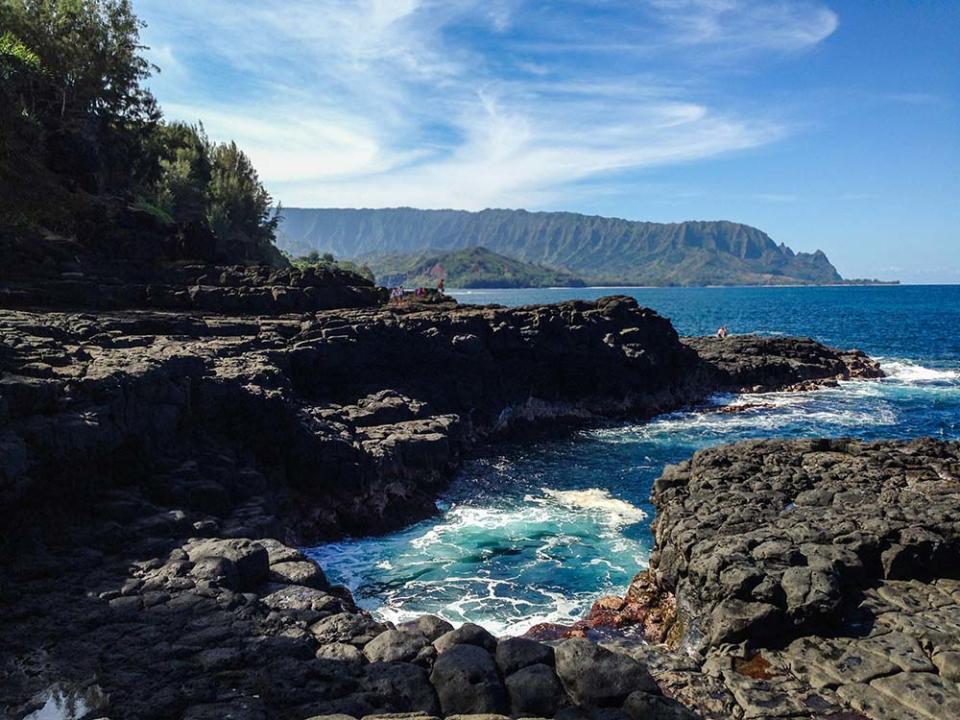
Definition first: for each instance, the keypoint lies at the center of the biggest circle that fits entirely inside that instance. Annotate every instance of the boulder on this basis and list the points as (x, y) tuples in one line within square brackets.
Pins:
[(429, 625), (351, 628), (466, 680), (593, 675), (277, 552), (466, 634), (733, 620), (299, 572), (400, 687), (534, 691), (249, 558), (395, 646), (308, 603), (217, 571), (341, 652), (519, 652)]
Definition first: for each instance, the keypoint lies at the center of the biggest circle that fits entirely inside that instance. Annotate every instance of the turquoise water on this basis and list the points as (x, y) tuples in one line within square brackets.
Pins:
[(537, 531)]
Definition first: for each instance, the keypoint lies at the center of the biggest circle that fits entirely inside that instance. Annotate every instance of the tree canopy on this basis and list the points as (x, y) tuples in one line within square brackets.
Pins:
[(82, 140)]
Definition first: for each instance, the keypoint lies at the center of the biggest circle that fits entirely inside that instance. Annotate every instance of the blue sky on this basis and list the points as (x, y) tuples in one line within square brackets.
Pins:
[(830, 125)]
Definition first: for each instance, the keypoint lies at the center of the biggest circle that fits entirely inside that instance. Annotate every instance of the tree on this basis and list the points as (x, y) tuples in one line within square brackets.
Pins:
[(88, 99), (82, 143), (182, 188), (21, 134), (240, 211)]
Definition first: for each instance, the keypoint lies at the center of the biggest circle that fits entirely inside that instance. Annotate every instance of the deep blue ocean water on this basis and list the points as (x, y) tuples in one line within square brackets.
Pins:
[(536, 531)]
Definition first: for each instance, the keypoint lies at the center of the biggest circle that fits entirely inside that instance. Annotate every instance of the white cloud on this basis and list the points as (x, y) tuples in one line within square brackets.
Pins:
[(461, 103), (735, 26)]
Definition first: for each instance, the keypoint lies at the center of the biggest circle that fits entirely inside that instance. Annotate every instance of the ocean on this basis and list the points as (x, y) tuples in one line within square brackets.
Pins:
[(536, 531)]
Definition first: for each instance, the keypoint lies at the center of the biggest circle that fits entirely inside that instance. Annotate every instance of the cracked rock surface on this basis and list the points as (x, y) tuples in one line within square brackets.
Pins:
[(157, 470), (807, 579)]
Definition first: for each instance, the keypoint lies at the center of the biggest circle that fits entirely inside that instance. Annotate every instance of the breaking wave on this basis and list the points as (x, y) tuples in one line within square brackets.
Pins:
[(906, 371), (616, 511)]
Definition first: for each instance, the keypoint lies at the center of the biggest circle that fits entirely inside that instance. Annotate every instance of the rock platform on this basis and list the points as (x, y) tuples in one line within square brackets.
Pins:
[(158, 470), (805, 579)]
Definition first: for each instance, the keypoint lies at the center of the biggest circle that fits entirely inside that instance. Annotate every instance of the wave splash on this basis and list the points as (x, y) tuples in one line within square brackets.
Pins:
[(906, 371), (618, 512)]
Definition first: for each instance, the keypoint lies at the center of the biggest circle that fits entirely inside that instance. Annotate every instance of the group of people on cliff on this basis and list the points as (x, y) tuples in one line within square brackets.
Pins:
[(400, 293)]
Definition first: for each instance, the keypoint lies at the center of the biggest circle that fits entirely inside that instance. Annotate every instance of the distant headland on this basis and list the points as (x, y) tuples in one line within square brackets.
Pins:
[(517, 248)]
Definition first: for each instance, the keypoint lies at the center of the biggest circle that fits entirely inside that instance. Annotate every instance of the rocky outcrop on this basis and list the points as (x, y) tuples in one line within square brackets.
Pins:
[(744, 363), (358, 417), (807, 578), (771, 537), (255, 289), (155, 464)]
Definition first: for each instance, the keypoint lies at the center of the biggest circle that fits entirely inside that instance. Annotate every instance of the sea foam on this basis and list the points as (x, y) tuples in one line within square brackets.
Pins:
[(909, 372), (618, 512)]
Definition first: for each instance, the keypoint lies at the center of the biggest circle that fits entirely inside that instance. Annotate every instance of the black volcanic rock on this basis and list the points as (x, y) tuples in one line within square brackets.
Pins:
[(807, 578), (256, 289), (593, 675), (740, 363), (770, 538), (154, 464), (362, 413)]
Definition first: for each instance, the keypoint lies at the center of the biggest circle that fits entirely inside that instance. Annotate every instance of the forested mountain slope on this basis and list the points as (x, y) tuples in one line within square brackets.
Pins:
[(600, 249)]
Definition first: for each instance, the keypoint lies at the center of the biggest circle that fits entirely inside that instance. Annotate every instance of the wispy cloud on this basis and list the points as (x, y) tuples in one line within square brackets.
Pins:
[(466, 103), (733, 26)]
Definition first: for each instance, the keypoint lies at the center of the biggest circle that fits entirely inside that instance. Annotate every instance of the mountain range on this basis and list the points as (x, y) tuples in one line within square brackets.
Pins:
[(598, 250)]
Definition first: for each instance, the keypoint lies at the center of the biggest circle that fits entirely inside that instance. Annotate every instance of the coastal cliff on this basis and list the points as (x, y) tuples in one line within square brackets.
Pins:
[(155, 463)]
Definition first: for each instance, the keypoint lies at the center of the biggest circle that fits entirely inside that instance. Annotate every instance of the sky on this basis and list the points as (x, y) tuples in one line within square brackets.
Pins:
[(829, 125)]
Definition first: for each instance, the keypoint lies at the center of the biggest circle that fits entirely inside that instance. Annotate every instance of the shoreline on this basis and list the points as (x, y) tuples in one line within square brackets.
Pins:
[(895, 283), (242, 422)]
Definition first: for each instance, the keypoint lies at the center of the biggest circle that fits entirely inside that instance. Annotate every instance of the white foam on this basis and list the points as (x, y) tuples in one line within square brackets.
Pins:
[(618, 512), (909, 372), (485, 518), (495, 605)]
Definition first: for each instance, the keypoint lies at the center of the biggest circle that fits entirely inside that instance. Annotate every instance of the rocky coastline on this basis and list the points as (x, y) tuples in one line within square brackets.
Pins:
[(159, 469), (813, 579)]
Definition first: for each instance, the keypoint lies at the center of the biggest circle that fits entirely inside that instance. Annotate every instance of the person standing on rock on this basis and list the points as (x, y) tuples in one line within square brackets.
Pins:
[(722, 332), (441, 286)]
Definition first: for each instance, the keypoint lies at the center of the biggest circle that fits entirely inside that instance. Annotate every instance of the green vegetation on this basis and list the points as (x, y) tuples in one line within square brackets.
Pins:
[(85, 154), (474, 267), (603, 251), (326, 261)]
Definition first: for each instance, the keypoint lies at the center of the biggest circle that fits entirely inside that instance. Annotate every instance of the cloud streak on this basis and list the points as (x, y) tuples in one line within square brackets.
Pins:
[(467, 103)]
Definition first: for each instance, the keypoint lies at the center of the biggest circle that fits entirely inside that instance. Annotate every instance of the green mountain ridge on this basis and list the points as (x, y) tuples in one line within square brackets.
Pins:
[(598, 249), (473, 267)]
